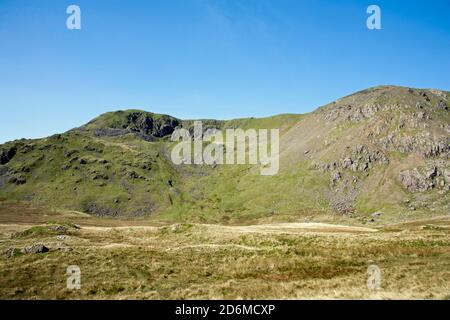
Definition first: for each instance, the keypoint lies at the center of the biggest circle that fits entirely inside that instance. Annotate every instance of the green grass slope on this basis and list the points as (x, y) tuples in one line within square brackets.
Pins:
[(383, 149)]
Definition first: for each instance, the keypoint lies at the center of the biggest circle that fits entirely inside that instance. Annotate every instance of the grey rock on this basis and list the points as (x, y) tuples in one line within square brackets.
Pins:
[(414, 181), (377, 214), (421, 144), (443, 105), (335, 177), (346, 163), (11, 252), (35, 248), (424, 179), (431, 173), (58, 228)]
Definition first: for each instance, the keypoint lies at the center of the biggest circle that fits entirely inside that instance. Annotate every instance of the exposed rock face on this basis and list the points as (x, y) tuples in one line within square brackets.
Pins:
[(342, 197), (18, 180), (354, 113), (359, 158), (414, 181), (362, 158), (140, 209), (335, 177), (426, 179), (379, 127), (143, 123), (111, 132), (35, 248), (443, 105), (98, 210), (424, 145), (7, 154)]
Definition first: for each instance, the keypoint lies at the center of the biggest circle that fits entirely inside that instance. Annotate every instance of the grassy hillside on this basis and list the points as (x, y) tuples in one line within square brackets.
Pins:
[(384, 149)]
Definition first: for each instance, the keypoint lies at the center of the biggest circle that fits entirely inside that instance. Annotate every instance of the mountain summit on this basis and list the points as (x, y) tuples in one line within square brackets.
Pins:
[(382, 151)]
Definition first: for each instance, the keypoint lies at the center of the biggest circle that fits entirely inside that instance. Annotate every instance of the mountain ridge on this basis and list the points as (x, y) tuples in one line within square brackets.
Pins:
[(382, 149)]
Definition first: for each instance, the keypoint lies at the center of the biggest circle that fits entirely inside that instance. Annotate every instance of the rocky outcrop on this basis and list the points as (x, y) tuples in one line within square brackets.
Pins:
[(362, 158), (443, 105), (7, 154), (353, 113), (416, 180), (35, 248), (359, 158), (342, 196), (144, 125), (335, 177), (155, 126), (110, 132), (422, 144)]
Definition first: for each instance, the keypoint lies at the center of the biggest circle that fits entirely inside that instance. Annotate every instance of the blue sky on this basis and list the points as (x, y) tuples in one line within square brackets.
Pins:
[(207, 59)]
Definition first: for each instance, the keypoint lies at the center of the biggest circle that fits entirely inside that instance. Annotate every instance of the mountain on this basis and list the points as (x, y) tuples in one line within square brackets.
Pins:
[(380, 153)]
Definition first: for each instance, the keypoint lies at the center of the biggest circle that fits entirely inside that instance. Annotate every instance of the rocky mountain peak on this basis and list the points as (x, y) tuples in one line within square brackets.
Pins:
[(145, 125)]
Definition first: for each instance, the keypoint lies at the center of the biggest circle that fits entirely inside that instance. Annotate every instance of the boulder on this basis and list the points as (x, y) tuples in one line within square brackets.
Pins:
[(377, 214), (35, 248)]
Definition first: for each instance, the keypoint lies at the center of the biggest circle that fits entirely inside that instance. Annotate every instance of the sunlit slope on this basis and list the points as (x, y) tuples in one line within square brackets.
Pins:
[(384, 149)]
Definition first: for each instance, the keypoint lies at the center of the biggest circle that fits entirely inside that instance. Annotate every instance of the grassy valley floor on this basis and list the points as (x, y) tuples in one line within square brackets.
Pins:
[(137, 259)]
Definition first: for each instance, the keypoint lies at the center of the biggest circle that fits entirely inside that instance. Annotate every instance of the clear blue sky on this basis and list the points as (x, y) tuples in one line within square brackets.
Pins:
[(207, 59)]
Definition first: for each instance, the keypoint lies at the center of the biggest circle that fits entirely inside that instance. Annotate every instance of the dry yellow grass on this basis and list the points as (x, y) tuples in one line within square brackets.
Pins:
[(122, 259)]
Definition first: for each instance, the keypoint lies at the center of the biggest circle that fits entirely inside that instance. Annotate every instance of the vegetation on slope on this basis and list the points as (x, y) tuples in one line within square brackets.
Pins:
[(384, 149), (197, 261)]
